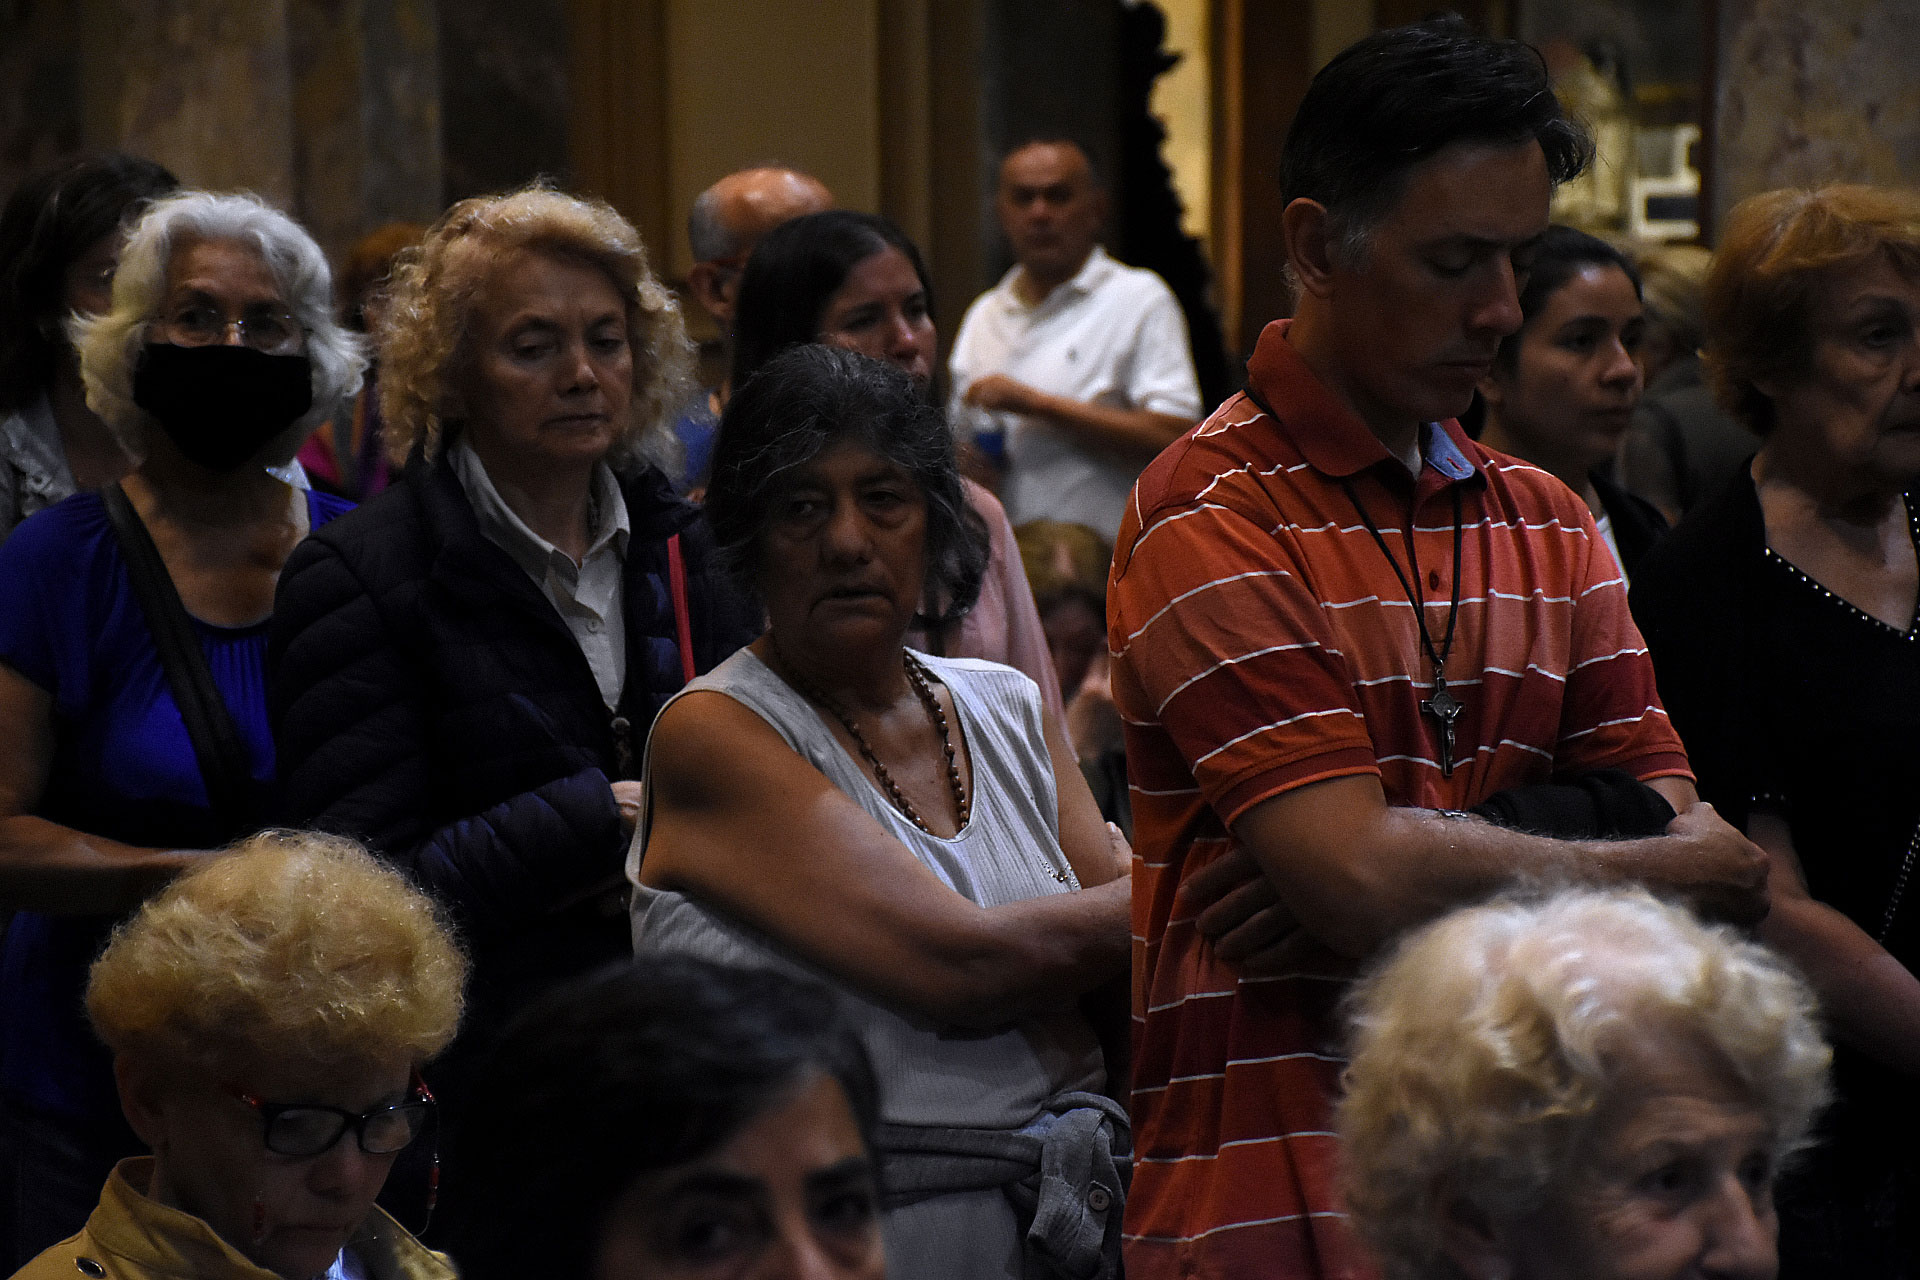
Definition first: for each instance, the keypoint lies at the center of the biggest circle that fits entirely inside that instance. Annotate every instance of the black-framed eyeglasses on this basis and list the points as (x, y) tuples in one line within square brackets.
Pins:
[(305, 1129)]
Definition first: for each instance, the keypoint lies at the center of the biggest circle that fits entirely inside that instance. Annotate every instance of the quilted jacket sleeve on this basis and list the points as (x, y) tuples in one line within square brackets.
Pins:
[(354, 749)]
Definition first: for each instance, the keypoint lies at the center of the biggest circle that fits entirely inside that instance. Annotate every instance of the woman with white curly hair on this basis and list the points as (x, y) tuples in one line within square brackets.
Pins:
[(270, 1014), (466, 666), (133, 644), (1587, 1086)]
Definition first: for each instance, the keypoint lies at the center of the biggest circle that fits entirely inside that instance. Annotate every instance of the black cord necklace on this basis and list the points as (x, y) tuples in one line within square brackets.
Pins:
[(1442, 706)]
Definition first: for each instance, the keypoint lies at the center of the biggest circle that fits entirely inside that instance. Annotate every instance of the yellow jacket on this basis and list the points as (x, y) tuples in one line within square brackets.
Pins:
[(129, 1237)]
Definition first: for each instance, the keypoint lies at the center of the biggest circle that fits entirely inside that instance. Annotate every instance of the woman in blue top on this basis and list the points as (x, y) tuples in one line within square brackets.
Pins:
[(219, 354)]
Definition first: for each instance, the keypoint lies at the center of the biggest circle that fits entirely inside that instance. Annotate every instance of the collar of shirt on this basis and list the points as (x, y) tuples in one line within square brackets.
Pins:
[(347, 1266), (1329, 435), (32, 443), (1092, 274), (533, 553)]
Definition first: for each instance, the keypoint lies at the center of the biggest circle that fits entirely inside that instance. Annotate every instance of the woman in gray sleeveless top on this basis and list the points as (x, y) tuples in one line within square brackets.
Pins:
[(913, 830)]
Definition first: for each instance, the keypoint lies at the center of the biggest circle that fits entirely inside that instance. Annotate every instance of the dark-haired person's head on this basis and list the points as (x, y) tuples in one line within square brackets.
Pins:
[(1564, 387), (1563, 255), (674, 1118), (853, 280), (1400, 97), (60, 237), (811, 401), (1417, 176), (1051, 207)]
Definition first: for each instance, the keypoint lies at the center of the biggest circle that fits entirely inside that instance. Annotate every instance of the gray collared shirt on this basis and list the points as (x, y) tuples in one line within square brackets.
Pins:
[(33, 464), (590, 596)]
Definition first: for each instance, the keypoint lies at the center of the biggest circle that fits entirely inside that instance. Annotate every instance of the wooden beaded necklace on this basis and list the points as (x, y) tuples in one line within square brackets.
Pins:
[(922, 683)]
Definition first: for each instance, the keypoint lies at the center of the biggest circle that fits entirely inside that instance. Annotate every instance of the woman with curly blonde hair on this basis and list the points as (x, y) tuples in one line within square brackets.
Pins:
[(1586, 1086), (466, 666), (269, 1014)]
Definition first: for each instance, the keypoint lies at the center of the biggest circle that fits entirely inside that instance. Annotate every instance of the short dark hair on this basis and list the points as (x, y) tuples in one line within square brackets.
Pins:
[(801, 403), (49, 221), (1398, 97), (641, 1067), (1563, 253), (794, 272)]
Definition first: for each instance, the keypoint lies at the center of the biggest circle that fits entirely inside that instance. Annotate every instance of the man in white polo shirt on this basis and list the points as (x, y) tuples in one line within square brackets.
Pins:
[(1081, 361)]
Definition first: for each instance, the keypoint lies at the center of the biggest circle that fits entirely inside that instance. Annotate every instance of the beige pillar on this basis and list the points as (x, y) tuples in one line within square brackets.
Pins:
[(202, 86), (1807, 94), (365, 114)]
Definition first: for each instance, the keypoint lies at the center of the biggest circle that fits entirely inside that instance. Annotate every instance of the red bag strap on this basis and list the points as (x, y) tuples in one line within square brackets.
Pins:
[(682, 619)]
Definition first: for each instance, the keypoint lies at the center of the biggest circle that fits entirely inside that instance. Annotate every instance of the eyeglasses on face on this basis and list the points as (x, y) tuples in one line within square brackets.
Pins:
[(264, 328), (305, 1129)]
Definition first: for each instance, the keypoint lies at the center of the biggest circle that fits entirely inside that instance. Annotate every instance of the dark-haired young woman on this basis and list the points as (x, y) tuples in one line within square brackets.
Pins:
[(60, 238), (1563, 389), (855, 281)]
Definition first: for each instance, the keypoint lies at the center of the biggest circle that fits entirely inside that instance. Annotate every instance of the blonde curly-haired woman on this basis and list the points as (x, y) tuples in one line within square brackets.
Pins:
[(466, 666)]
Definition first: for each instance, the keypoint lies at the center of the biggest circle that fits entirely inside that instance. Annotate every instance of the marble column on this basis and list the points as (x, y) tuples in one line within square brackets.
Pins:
[(329, 109), (365, 109), (202, 86), (1815, 93)]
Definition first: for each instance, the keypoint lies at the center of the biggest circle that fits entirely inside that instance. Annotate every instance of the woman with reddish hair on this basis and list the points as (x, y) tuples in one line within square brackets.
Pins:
[(1784, 621)]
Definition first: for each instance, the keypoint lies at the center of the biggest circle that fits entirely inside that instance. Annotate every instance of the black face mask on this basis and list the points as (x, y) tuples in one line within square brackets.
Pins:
[(220, 404)]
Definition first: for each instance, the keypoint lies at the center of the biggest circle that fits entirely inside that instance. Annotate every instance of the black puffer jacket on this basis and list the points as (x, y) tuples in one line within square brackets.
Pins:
[(428, 700)]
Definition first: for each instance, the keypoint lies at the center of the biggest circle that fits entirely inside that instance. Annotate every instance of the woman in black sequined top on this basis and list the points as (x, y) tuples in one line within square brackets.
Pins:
[(1784, 621)]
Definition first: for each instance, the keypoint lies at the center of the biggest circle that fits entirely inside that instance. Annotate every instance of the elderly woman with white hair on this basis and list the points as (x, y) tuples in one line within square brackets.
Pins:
[(1587, 1086), (133, 643)]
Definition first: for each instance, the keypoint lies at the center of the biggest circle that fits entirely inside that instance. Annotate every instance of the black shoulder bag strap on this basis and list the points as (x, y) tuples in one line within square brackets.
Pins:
[(224, 764)]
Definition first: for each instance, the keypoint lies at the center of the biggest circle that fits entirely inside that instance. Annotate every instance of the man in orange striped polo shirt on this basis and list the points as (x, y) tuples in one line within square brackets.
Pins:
[(1336, 623)]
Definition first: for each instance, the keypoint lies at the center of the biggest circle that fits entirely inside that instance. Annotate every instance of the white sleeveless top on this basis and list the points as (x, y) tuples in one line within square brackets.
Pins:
[(930, 1073)]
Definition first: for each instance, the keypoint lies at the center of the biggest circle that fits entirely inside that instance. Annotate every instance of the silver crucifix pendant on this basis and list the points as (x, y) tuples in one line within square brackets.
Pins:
[(1445, 709)]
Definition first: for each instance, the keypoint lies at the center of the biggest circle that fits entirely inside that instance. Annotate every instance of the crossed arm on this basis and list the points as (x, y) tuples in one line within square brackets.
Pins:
[(1356, 871), (745, 824), (1870, 999)]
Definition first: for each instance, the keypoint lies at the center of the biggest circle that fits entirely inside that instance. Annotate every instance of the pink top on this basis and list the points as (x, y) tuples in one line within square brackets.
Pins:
[(1004, 626)]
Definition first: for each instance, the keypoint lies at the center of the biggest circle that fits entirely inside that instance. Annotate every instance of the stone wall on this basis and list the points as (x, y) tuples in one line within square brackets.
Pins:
[(331, 109), (1811, 93), (503, 67), (40, 115)]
